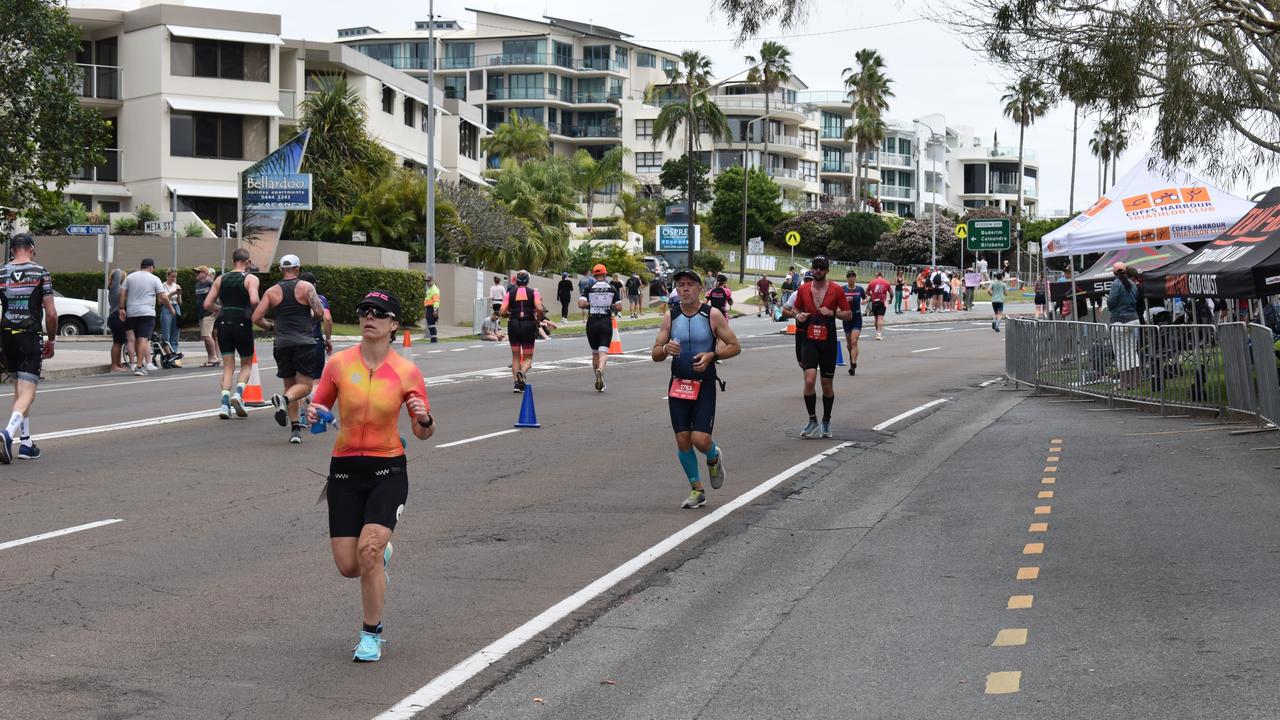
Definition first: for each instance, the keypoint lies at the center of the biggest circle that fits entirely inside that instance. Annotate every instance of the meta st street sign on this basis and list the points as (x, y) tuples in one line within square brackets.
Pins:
[(988, 234), (88, 229)]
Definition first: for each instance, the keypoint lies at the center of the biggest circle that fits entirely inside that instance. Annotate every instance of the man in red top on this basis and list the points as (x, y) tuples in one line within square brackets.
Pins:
[(878, 290), (819, 303), (763, 285)]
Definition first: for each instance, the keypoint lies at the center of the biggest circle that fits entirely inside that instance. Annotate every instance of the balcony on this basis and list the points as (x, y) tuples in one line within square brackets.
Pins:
[(108, 171), (846, 167), (458, 62), (832, 133), (541, 59), (592, 98), (737, 102), (823, 97), (99, 82), (897, 192), (584, 131), (896, 160), (1011, 152)]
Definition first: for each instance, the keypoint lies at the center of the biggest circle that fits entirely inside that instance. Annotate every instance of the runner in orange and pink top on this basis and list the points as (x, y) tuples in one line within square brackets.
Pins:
[(368, 480)]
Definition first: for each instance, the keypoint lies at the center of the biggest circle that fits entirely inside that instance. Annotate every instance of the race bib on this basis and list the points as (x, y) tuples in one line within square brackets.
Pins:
[(682, 389), (817, 331)]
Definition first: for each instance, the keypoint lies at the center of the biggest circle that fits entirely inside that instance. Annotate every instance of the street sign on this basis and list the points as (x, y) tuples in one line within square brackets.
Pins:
[(755, 246), (106, 248), (988, 234), (962, 231), (88, 229), (358, 236), (156, 226), (793, 238)]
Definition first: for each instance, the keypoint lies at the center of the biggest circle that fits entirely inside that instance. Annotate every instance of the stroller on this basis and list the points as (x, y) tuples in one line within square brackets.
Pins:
[(162, 354)]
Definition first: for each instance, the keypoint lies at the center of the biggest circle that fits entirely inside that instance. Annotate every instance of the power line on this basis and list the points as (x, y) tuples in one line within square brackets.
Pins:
[(690, 41)]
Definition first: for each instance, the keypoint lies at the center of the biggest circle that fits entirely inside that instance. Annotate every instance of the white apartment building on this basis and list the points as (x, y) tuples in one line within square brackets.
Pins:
[(197, 95), (986, 175)]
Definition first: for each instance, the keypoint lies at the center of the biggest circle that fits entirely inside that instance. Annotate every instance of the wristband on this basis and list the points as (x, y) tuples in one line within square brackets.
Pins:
[(430, 421)]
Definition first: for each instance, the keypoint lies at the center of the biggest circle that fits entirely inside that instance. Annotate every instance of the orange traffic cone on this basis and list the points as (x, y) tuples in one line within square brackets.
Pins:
[(253, 391), (791, 327), (615, 345), (406, 348)]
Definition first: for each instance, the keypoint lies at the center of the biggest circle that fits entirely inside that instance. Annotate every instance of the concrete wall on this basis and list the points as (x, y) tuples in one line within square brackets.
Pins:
[(460, 286)]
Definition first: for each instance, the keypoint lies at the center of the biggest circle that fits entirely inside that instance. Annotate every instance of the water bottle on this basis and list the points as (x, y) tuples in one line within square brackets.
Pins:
[(324, 417)]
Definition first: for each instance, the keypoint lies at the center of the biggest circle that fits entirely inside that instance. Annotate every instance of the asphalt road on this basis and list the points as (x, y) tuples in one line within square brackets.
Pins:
[(216, 596)]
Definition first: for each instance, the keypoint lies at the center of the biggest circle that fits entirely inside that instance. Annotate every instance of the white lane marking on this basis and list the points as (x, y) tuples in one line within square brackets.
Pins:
[(458, 349), (908, 414), (926, 349), (992, 381), (132, 424), (428, 694), (136, 381), (433, 352), (473, 347), (57, 533), (478, 437)]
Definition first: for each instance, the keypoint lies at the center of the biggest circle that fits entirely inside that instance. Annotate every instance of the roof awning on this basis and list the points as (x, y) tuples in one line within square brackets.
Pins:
[(217, 34), (198, 189), (478, 180), (264, 108)]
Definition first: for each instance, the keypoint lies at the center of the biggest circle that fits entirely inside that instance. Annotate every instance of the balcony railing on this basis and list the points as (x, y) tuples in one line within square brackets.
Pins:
[(826, 97), (108, 171), (584, 131), (896, 159), (562, 95), (782, 172), (839, 167), (790, 140), (832, 133), (551, 59), (896, 191), (752, 103), (1012, 152), (101, 82)]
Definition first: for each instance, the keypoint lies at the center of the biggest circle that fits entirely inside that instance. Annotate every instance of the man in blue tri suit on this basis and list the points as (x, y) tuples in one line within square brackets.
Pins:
[(853, 326), (695, 335)]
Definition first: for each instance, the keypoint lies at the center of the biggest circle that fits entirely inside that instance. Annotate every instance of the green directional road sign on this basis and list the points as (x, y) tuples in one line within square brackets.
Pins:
[(988, 234)]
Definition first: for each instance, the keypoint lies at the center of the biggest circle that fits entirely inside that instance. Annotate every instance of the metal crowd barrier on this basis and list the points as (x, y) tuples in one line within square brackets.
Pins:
[(1228, 368)]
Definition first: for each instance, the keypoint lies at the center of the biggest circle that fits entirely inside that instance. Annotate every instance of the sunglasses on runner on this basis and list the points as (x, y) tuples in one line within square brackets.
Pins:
[(374, 313)]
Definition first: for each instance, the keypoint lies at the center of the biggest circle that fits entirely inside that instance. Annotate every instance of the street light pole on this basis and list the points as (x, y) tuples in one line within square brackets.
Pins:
[(742, 263), (933, 242), (431, 139)]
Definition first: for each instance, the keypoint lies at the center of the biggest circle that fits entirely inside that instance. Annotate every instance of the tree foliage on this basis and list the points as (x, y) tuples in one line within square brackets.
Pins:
[(751, 16), (675, 177), (1025, 102), (47, 135), (540, 193), (392, 213), (911, 243), (614, 257), (814, 226), (591, 176), (854, 236), (519, 139), (493, 234), (686, 104), (764, 210)]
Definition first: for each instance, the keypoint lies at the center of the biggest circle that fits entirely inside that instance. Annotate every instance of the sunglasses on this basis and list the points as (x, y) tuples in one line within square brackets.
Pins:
[(373, 312)]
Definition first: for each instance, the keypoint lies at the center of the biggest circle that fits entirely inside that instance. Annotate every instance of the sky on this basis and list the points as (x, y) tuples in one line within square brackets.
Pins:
[(932, 71)]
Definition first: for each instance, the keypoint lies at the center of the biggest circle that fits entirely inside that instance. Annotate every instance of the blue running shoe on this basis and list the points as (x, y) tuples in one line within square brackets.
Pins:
[(810, 429), (224, 408), (826, 429), (6, 449), (369, 649), (28, 452)]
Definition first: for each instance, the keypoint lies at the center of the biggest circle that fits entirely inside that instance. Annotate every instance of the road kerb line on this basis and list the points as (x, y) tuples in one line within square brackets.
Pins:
[(928, 349), (476, 438), (908, 414), (57, 533), (429, 694)]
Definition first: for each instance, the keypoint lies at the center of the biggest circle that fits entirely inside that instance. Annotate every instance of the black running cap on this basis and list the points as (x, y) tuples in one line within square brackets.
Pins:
[(22, 240), (687, 272), (384, 300)]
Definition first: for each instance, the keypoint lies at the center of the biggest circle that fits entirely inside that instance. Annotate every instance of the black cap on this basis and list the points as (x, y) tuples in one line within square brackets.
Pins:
[(147, 262), (384, 300), (22, 240), (686, 272), (819, 263)]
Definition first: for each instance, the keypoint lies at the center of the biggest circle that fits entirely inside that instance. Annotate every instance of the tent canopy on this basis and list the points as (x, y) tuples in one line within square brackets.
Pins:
[(1243, 262), (1098, 278), (1148, 209)]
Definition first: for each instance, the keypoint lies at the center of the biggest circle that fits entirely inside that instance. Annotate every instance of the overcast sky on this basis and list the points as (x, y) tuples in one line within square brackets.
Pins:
[(931, 69)]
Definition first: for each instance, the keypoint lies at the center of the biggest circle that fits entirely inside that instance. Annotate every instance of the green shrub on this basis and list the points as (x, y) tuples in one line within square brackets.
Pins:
[(193, 230), (710, 262), (125, 226), (145, 214)]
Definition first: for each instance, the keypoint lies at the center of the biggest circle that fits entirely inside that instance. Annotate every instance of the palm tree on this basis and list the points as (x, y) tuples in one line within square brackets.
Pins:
[(520, 139), (771, 70), (1119, 143), (1025, 102), (867, 89), (591, 175)]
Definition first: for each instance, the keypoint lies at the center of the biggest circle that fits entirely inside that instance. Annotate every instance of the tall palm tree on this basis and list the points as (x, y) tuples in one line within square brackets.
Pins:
[(519, 139), (1119, 143), (772, 68), (866, 132), (1103, 146), (1025, 102), (591, 175), (691, 81), (868, 92)]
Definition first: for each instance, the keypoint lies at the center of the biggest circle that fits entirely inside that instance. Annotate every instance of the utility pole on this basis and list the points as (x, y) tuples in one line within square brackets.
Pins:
[(431, 138)]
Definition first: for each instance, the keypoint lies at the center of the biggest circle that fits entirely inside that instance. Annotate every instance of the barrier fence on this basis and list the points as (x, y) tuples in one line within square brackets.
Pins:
[(1228, 368)]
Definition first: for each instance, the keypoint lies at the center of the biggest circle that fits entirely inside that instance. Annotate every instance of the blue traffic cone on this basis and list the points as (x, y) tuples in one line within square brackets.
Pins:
[(839, 354), (528, 416)]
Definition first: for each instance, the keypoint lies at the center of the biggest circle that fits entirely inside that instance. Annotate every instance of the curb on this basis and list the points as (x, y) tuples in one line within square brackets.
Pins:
[(75, 372)]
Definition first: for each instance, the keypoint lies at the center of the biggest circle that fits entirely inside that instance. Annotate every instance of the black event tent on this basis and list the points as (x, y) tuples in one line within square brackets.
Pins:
[(1243, 262), (1098, 278)]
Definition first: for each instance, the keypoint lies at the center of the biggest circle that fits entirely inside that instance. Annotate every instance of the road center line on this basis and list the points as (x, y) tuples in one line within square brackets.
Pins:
[(908, 414), (926, 349), (478, 437), (428, 694), (57, 533)]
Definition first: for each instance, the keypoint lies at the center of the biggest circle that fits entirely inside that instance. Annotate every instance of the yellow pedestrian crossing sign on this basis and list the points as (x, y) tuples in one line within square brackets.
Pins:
[(793, 238), (962, 231)]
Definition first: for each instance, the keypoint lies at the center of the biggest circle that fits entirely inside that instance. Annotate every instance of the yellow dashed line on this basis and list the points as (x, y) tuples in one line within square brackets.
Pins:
[(1044, 494), (1052, 458), (1002, 683), (1028, 573), (1051, 468), (1044, 509), (1048, 481), (1020, 602), (1010, 637), (1055, 449), (1033, 548), (1038, 527)]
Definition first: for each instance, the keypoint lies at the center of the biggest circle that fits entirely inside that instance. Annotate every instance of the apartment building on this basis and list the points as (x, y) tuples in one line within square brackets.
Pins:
[(197, 95), (986, 174)]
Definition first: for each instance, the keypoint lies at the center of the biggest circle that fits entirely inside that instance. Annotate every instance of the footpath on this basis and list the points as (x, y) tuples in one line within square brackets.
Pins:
[(1005, 556)]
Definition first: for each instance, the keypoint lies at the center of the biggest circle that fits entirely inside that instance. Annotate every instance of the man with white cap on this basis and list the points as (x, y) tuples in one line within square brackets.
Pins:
[(296, 306)]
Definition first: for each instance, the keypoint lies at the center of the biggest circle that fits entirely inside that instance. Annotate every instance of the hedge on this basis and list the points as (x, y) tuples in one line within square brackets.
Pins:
[(343, 286)]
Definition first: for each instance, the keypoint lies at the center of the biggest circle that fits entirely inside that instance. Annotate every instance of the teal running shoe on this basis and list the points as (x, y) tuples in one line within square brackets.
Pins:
[(369, 649), (810, 430)]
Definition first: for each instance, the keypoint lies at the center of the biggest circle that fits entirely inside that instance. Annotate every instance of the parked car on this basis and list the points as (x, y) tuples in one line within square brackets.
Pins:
[(658, 267), (77, 317)]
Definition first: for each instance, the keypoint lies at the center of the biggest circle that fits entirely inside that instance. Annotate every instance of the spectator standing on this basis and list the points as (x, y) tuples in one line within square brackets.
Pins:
[(658, 294), (138, 296), (497, 293), (564, 294), (616, 284), (956, 301), (898, 285), (584, 283), (789, 284), (763, 287), (1122, 303), (121, 339), (982, 268), (431, 306), (972, 278), (1041, 287), (922, 289), (169, 315), (204, 282), (633, 294)]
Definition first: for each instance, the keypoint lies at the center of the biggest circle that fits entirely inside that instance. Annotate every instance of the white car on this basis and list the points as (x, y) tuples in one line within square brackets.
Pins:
[(77, 317)]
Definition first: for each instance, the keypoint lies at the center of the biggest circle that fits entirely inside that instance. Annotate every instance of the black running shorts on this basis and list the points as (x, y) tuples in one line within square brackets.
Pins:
[(141, 325), (295, 360), (819, 355), (235, 337), (599, 333), (877, 308), (522, 333), (23, 354), (366, 491), (695, 415)]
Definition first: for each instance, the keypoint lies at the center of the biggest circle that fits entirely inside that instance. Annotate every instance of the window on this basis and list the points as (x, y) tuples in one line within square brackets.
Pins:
[(388, 100), (809, 139), (809, 171), (189, 57), (523, 52), (408, 112), (975, 178), (459, 55), (528, 113), (615, 88), (399, 55), (644, 129), (622, 56), (645, 59), (595, 57), (315, 78), (468, 140), (455, 87), (563, 53), (525, 86), (649, 162), (552, 89), (668, 64), (211, 135)]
